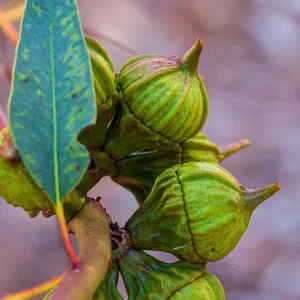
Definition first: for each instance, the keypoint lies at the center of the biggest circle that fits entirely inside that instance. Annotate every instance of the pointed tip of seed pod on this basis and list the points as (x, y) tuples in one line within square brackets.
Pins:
[(232, 148), (192, 57), (257, 196)]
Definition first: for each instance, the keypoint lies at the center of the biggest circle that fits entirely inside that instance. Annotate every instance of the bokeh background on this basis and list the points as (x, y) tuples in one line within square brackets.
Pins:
[(251, 62)]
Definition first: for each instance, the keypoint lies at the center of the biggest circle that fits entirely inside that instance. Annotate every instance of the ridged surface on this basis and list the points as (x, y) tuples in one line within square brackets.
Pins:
[(161, 223), (165, 96), (148, 278), (138, 172), (129, 135), (106, 95), (195, 211), (94, 46), (215, 210), (102, 68), (199, 149), (207, 287)]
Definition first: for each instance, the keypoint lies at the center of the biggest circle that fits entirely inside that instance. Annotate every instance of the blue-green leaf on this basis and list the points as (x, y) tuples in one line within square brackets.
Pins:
[(52, 97)]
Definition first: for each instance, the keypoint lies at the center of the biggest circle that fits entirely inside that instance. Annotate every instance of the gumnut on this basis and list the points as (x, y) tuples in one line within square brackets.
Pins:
[(106, 95), (145, 277), (138, 172), (196, 211), (207, 287), (163, 102)]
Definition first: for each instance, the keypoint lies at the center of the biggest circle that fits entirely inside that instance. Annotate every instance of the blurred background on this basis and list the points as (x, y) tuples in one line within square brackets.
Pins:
[(251, 62)]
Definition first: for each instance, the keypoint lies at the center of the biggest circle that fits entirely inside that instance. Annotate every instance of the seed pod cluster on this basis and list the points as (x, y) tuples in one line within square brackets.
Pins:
[(147, 139), (190, 206)]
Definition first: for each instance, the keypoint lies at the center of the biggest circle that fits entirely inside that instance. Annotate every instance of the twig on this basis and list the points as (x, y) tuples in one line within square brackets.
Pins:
[(35, 291), (124, 50), (59, 210), (91, 229), (15, 12), (8, 27)]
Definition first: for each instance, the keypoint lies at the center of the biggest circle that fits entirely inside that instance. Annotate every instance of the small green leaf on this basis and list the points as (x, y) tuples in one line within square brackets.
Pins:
[(52, 97)]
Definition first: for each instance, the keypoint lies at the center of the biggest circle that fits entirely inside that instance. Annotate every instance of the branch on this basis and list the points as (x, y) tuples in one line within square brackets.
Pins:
[(35, 291), (91, 228), (8, 27)]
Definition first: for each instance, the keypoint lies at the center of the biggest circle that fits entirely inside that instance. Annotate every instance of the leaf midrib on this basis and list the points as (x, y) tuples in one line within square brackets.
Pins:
[(55, 154)]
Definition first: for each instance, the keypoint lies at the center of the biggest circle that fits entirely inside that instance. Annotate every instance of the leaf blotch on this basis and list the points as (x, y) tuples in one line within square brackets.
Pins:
[(77, 168), (25, 80), (74, 95)]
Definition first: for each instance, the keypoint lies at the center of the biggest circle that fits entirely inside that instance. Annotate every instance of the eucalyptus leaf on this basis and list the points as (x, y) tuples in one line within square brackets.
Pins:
[(52, 98)]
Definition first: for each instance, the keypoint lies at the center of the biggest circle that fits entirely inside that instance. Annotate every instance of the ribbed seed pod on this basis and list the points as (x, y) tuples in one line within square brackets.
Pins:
[(106, 95), (146, 277), (18, 188), (200, 149), (207, 287), (108, 290), (163, 102), (138, 172), (196, 211)]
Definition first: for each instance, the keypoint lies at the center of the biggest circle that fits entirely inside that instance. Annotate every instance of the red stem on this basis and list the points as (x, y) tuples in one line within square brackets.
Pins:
[(35, 291), (65, 235)]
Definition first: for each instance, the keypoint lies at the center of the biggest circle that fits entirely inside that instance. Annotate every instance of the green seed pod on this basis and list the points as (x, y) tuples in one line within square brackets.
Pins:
[(138, 172), (207, 287), (146, 277), (196, 211), (107, 290), (18, 188), (163, 102), (106, 95), (200, 149)]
